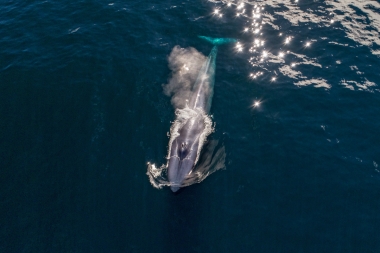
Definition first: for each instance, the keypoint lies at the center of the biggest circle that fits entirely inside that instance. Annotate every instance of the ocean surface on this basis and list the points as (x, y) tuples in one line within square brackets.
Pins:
[(83, 111)]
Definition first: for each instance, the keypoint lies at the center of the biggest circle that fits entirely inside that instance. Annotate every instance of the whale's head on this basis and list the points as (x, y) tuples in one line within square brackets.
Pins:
[(181, 161), (184, 152)]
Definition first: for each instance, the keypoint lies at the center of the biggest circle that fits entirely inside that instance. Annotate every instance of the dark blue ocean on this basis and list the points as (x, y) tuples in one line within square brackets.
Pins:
[(296, 106)]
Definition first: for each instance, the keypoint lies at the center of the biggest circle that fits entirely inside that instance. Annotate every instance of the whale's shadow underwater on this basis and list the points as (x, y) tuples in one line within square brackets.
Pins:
[(190, 157)]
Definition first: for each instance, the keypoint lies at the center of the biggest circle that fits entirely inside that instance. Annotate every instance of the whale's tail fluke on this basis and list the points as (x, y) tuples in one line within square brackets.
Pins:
[(218, 41)]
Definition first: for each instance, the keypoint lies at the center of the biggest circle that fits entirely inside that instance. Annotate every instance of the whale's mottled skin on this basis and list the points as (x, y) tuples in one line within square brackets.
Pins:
[(184, 148)]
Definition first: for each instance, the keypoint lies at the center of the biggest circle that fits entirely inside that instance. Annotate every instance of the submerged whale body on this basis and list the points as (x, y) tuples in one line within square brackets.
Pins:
[(186, 143)]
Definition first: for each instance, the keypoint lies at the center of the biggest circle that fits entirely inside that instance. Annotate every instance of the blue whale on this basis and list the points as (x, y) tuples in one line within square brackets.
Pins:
[(187, 144)]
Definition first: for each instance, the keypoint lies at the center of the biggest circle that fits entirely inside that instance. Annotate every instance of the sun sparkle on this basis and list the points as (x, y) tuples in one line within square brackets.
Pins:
[(256, 103)]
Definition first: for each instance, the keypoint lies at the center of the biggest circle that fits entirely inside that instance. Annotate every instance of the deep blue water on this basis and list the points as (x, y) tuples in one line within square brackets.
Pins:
[(82, 111)]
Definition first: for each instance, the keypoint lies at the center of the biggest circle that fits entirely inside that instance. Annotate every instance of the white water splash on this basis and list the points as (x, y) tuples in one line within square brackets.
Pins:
[(182, 117)]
